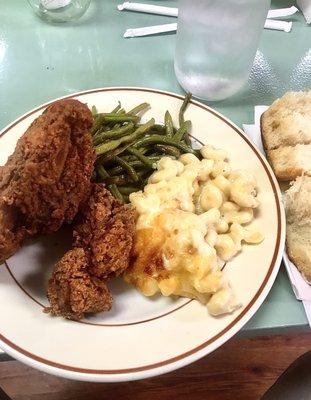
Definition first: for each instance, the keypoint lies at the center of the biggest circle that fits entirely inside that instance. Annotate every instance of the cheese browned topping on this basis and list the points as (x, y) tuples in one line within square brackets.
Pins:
[(188, 223)]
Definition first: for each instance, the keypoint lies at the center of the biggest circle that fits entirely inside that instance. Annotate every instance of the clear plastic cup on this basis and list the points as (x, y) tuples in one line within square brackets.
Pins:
[(59, 10), (216, 44)]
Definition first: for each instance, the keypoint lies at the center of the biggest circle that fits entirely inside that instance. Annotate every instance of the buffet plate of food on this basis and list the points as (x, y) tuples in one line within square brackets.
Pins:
[(140, 230)]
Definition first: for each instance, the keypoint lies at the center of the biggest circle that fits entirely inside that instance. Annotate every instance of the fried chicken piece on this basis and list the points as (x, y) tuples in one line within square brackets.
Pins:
[(48, 176), (12, 231), (103, 239), (105, 229), (73, 291)]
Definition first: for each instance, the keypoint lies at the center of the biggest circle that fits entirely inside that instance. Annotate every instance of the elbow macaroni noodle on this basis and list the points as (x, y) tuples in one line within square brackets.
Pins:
[(190, 220)]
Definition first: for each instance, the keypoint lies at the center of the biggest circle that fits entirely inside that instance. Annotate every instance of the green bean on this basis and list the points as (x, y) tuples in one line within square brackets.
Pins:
[(187, 139), (128, 157), (119, 150), (113, 133), (127, 151), (143, 173), (115, 192), (181, 117), (144, 150), (183, 108), (169, 127), (98, 121), (118, 180), (104, 158), (145, 160), (103, 174), (126, 190), (154, 132), (171, 150), (102, 122), (139, 108), (116, 109), (116, 170), (107, 118), (114, 117), (156, 127), (133, 163), (112, 125), (126, 198), (181, 132), (113, 144), (94, 111), (115, 126), (112, 186), (103, 128), (159, 128), (158, 139), (153, 158), (127, 167)]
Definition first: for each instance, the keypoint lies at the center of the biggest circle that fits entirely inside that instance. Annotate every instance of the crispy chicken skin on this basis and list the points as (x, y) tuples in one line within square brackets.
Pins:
[(73, 291), (103, 239), (48, 176), (12, 231), (105, 228)]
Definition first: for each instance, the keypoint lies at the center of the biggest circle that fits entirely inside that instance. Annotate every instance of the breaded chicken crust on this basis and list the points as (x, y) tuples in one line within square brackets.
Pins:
[(102, 245), (73, 291), (48, 176), (105, 228)]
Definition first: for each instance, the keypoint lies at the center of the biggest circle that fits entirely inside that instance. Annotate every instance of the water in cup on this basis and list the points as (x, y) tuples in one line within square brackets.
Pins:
[(216, 44)]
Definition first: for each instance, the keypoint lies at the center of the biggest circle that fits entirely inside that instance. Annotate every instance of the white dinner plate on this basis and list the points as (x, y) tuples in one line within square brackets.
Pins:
[(140, 337)]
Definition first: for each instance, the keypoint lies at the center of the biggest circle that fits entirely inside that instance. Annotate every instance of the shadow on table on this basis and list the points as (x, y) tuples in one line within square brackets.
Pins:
[(294, 383)]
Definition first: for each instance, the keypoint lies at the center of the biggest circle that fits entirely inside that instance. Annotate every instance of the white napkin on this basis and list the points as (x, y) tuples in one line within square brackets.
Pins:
[(305, 7), (300, 287)]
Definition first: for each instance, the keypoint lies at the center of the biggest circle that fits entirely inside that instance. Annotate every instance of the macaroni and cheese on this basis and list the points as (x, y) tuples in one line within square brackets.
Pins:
[(190, 220)]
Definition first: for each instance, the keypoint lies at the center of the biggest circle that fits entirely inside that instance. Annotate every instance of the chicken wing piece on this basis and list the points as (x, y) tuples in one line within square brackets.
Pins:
[(105, 228), (103, 239), (48, 176), (72, 291)]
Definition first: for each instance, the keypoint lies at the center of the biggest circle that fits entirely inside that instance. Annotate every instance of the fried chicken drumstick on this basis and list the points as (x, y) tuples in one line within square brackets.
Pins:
[(103, 238), (48, 176)]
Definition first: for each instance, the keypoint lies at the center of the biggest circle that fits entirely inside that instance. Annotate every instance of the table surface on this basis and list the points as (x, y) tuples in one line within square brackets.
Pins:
[(40, 62)]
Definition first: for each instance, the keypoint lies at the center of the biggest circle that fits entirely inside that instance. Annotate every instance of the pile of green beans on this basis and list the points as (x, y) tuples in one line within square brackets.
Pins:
[(128, 150)]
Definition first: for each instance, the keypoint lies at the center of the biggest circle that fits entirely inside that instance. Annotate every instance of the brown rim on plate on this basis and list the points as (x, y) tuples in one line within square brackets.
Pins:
[(88, 322), (238, 318)]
